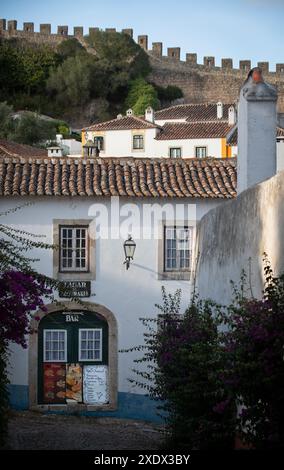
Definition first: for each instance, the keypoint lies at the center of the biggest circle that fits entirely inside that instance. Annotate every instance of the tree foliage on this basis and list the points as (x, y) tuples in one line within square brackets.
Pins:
[(218, 371), (141, 95)]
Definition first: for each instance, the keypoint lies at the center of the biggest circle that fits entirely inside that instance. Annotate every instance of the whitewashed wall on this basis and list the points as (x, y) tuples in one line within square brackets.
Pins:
[(128, 294)]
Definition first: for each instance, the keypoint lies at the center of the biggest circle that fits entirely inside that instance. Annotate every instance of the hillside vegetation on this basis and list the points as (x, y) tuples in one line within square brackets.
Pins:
[(79, 81)]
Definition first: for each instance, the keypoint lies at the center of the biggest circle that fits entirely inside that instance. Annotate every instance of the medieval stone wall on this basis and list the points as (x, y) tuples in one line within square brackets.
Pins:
[(199, 82), (210, 84)]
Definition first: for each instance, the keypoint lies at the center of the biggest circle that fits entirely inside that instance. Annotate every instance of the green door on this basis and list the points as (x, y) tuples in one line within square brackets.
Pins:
[(68, 342)]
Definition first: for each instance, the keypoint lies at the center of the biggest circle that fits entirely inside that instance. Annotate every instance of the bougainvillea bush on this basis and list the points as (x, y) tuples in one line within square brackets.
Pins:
[(254, 372), (22, 291), (218, 372), (182, 365)]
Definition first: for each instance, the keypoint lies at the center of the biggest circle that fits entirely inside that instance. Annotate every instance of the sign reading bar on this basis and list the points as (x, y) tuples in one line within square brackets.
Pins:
[(75, 289)]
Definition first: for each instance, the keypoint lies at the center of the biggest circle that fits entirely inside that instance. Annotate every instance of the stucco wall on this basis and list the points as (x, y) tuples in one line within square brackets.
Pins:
[(130, 294), (235, 236)]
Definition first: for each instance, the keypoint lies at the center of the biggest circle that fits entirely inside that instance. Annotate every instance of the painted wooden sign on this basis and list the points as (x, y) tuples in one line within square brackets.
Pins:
[(75, 289), (95, 384)]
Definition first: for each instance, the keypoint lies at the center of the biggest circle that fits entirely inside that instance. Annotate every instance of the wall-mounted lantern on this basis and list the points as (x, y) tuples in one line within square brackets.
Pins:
[(129, 249)]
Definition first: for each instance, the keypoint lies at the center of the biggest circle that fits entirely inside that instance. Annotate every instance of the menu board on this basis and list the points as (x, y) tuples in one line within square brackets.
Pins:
[(74, 382), (54, 383), (95, 384)]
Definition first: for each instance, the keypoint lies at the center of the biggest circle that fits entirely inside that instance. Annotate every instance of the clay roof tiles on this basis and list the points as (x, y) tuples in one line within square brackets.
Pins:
[(130, 177), (192, 112), (13, 149), (194, 130), (123, 123)]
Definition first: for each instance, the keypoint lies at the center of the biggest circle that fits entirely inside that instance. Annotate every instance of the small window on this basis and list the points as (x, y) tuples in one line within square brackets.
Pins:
[(55, 346), (175, 152), (90, 344), (99, 143), (73, 248), (200, 152), (138, 142), (178, 246)]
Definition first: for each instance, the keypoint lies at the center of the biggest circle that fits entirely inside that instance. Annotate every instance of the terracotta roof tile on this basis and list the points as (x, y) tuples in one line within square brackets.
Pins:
[(232, 137), (132, 177), (192, 112), (195, 130), (123, 123), (13, 149)]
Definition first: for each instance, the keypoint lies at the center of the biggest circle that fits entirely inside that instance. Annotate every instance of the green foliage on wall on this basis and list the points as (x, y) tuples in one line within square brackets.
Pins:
[(141, 95)]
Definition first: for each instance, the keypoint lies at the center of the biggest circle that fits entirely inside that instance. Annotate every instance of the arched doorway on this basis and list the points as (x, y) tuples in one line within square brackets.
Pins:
[(73, 358)]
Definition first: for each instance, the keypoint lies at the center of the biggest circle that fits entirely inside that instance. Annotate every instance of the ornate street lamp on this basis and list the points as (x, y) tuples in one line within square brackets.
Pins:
[(129, 249)]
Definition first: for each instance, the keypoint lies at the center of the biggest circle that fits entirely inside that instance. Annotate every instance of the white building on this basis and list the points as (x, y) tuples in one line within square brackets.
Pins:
[(88, 206), (188, 130)]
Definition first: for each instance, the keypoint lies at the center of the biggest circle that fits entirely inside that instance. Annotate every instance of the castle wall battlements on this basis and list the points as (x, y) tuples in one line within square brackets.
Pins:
[(9, 29)]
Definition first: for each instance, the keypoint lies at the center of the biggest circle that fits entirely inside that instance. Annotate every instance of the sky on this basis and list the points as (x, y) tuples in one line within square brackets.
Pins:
[(240, 29)]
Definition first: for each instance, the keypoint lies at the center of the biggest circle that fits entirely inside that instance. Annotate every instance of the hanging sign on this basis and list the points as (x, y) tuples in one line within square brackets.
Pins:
[(75, 289), (95, 384)]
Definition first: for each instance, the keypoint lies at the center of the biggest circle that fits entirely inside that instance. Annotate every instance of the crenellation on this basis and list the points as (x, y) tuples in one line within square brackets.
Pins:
[(28, 27), (78, 31), (128, 31), (227, 63), (264, 66), (2, 24), (174, 53), (93, 29), (12, 26), (280, 68), (62, 30), (209, 61), (143, 42), (191, 58), (172, 60), (45, 28), (157, 49), (245, 65)]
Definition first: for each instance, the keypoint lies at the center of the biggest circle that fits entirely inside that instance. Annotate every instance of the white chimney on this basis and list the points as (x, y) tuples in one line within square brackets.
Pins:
[(149, 114), (59, 137), (231, 116), (219, 110), (256, 131), (54, 152), (129, 112)]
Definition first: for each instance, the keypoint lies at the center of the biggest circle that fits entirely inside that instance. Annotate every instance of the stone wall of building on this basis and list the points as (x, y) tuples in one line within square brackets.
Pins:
[(235, 235), (199, 82)]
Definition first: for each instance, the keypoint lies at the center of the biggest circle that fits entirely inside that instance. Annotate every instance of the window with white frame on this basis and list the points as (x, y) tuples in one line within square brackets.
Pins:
[(175, 152), (138, 142), (177, 248), (55, 345), (73, 248), (90, 344), (201, 152)]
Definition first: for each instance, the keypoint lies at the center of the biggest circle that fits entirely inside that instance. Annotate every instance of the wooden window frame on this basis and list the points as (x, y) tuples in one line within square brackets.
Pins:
[(44, 345), (197, 147), (178, 269), (73, 268), (141, 137), (175, 148), (101, 344)]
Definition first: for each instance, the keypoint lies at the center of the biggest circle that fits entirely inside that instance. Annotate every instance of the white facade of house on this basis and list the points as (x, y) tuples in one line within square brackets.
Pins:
[(118, 139), (128, 294), (120, 144)]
